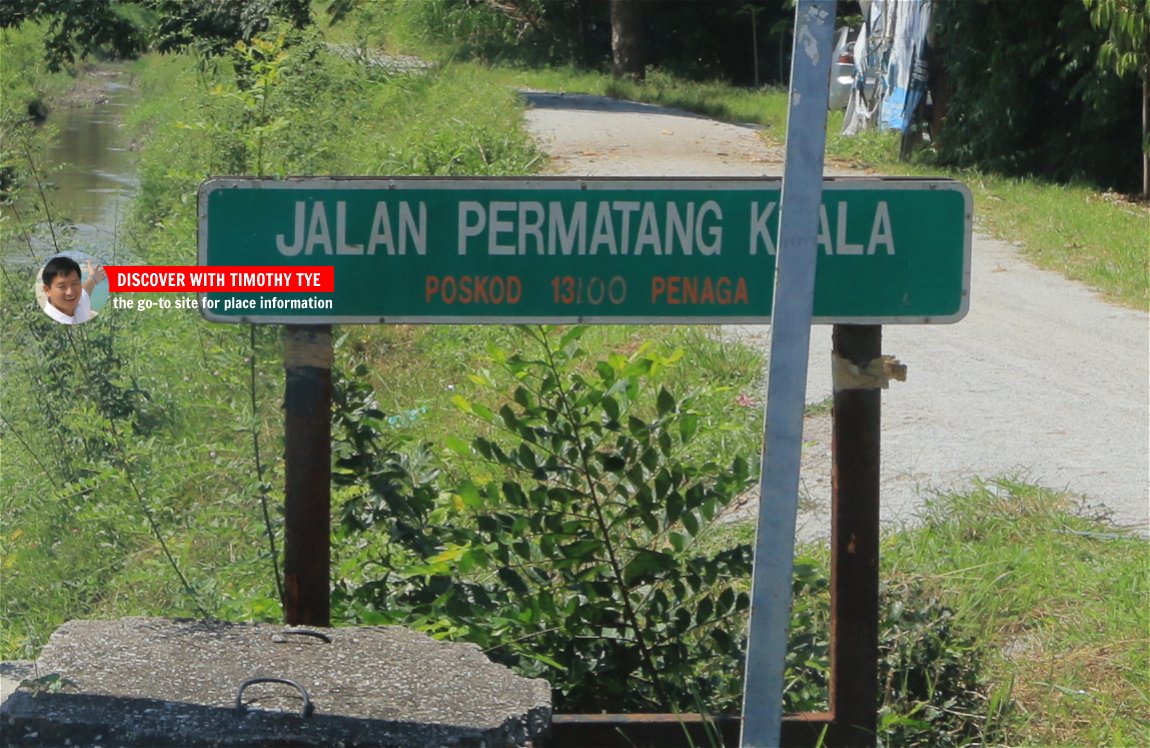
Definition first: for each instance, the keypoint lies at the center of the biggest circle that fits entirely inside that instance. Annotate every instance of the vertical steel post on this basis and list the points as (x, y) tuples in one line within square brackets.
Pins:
[(307, 468), (787, 373), (855, 440)]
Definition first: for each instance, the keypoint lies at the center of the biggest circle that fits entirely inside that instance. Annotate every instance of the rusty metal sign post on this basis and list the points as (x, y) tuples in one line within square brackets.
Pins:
[(307, 481)]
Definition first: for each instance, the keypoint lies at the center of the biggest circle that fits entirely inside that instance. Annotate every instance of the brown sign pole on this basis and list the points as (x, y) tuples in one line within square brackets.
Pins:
[(855, 441), (307, 468)]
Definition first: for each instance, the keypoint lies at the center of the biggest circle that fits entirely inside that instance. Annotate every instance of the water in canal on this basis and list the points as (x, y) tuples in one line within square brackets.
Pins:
[(91, 170)]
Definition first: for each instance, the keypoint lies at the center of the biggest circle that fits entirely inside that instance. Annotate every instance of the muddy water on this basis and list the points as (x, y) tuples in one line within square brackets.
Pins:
[(90, 175), (97, 166)]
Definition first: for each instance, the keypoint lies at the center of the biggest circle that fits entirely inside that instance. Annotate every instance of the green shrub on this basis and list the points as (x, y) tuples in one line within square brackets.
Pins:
[(932, 692), (573, 553)]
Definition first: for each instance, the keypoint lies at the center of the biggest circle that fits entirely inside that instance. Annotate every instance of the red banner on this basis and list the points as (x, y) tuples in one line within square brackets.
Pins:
[(220, 278)]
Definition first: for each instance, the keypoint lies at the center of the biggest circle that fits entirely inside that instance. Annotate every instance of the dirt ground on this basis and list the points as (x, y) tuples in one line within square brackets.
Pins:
[(1041, 381), (91, 86)]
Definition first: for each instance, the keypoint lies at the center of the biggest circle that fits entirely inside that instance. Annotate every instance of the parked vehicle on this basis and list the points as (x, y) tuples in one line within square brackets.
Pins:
[(843, 68)]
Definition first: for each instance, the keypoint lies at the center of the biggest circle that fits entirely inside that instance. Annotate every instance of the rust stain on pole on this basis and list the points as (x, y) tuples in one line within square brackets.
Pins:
[(855, 441), (307, 468)]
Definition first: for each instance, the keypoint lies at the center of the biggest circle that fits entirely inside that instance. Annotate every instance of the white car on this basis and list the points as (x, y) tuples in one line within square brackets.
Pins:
[(843, 68)]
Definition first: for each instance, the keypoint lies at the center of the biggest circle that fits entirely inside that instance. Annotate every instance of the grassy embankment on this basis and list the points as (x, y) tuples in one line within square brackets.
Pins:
[(156, 426)]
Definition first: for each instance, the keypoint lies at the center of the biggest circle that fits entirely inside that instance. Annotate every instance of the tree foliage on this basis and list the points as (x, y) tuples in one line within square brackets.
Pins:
[(213, 26), (80, 29), (696, 39), (1029, 98), (1127, 51), (1127, 23)]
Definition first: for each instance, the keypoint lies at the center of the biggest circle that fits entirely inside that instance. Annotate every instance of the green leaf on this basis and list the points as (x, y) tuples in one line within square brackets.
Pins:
[(640, 367), (612, 463), (527, 457), (582, 550), (611, 407), (481, 378), (645, 566), (688, 426), (650, 521), (572, 335), (462, 403), (722, 638), (458, 446), (606, 373), (691, 524), (665, 402), (469, 494), (512, 579), (523, 396)]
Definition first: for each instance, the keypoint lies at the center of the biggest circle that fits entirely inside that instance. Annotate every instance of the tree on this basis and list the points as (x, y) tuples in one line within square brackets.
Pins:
[(627, 39), (78, 29), (1029, 98), (1126, 51), (214, 26)]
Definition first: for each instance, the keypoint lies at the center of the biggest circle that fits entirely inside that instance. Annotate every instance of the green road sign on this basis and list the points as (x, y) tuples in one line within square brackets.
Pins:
[(583, 250)]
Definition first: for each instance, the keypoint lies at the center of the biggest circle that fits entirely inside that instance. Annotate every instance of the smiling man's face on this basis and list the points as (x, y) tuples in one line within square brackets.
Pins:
[(64, 292)]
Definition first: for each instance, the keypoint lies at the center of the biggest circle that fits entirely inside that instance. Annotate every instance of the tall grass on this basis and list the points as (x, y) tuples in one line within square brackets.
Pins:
[(24, 75), (76, 545), (1056, 597)]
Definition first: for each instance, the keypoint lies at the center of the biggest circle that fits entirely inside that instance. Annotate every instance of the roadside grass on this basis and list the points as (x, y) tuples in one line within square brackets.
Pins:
[(1057, 598), (1051, 597)]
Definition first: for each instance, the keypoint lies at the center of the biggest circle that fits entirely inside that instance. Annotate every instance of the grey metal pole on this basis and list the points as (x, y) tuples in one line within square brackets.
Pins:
[(787, 372)]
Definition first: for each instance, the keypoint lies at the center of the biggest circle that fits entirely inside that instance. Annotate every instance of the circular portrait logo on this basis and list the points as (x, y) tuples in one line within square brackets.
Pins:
[(71, 288)]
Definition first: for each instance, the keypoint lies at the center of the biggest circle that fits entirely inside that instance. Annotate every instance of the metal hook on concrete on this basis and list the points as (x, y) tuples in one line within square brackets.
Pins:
[(308, 707)]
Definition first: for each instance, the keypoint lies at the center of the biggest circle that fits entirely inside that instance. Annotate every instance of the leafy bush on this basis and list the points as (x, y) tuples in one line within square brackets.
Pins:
[(929, 673), (582, 549), (573, 553)]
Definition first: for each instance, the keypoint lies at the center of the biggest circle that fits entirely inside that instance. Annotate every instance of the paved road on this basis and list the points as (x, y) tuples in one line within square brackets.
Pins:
[(1041, 380)]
